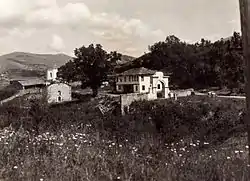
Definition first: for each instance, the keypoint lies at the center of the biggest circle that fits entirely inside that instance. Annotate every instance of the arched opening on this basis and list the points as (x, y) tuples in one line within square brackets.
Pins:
[(160, 89)]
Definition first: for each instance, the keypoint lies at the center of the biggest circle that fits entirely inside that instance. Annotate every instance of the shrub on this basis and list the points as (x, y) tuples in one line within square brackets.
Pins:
[(7, 92)]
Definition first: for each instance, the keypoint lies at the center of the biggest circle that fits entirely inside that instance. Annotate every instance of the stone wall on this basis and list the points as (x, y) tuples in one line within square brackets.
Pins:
[(127, 99), (183, 93)]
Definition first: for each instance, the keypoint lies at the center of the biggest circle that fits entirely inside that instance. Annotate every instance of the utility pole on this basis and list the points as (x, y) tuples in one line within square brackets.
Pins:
[(245, 30)]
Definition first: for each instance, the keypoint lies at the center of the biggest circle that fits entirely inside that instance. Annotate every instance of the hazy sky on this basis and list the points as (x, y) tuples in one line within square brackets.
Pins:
[(128, 26)]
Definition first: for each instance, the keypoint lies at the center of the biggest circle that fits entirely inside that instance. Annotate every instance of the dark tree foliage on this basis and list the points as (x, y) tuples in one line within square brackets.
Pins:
[(91, 65), (199, 65)]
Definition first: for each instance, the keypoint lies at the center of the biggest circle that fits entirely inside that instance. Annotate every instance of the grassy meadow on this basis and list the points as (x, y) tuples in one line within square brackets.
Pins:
[(191, 139)]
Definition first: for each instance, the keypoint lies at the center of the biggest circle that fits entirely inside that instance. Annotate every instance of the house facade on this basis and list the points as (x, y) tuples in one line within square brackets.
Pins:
[(58, 92), (142, 80)]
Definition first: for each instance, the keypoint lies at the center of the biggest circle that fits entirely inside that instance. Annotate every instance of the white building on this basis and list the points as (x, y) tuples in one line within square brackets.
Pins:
[(58, 92), (52, 74), (142, 80)]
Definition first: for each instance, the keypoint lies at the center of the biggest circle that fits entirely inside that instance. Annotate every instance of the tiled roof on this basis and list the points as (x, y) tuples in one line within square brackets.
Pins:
[(138, 71)]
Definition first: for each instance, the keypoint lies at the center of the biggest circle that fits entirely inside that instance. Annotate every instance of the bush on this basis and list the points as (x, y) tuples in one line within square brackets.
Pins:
[(7, 92), (208, 119)]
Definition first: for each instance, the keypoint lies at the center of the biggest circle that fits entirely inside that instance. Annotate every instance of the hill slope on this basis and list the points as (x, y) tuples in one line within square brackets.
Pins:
[(31, 61), (24, 64)]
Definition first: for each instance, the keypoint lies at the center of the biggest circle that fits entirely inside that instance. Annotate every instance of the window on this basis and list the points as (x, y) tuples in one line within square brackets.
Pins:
[(129, 78), (136, 88), (159, 86), (120, 79), (142, 78), (51, 74), (125, 79), (137, 78), (59, 99), (59, 93), (143, 87), (119, 87)]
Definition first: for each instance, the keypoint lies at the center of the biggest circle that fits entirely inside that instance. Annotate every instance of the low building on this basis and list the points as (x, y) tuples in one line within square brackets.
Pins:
[(58, 92), (142, 80), (29, 85)]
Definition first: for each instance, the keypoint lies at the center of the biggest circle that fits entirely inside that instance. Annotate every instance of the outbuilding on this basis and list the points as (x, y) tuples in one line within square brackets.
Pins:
[(58, 92)]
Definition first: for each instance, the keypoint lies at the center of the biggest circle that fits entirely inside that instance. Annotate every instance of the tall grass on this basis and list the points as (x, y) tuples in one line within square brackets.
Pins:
[(75, 142)]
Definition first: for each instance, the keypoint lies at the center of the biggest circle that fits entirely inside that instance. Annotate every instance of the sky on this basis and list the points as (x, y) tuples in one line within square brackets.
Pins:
[(127, 26)]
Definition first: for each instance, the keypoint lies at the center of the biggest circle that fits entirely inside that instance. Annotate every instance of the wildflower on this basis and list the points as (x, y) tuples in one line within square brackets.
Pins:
[(205, 143), (41, 179), (15, 167), (236, 151), (113, 144), (120, 146), (247, 146), (228, 158)]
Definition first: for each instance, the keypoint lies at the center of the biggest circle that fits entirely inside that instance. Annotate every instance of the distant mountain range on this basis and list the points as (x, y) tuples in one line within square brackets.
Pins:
[(24, 64)]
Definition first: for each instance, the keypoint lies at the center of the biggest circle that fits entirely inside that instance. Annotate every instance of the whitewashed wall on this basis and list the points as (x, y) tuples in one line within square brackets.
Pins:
[(53, 92)]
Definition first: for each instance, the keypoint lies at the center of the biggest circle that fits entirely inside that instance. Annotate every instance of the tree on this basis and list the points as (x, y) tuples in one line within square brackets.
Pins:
[(199, 65), (91, 65), (68, 71)]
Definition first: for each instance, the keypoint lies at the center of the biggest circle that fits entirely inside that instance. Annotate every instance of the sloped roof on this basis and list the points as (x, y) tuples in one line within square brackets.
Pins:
[(138, 71), (30, 82)]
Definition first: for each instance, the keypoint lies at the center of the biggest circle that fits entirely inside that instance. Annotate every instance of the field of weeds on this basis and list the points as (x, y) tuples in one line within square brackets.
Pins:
[(124, 149)]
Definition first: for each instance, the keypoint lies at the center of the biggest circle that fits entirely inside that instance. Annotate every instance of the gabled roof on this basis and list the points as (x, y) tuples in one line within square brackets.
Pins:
[(138, 71)]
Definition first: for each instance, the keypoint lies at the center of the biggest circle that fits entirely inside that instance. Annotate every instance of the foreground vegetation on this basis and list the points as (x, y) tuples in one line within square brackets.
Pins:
[(191, 139)]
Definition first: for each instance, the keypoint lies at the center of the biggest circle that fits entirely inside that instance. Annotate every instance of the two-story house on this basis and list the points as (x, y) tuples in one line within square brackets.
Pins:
[(142, 80)]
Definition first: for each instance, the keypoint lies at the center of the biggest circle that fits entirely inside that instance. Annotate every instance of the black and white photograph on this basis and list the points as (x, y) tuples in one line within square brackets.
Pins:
[(124, 90)]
